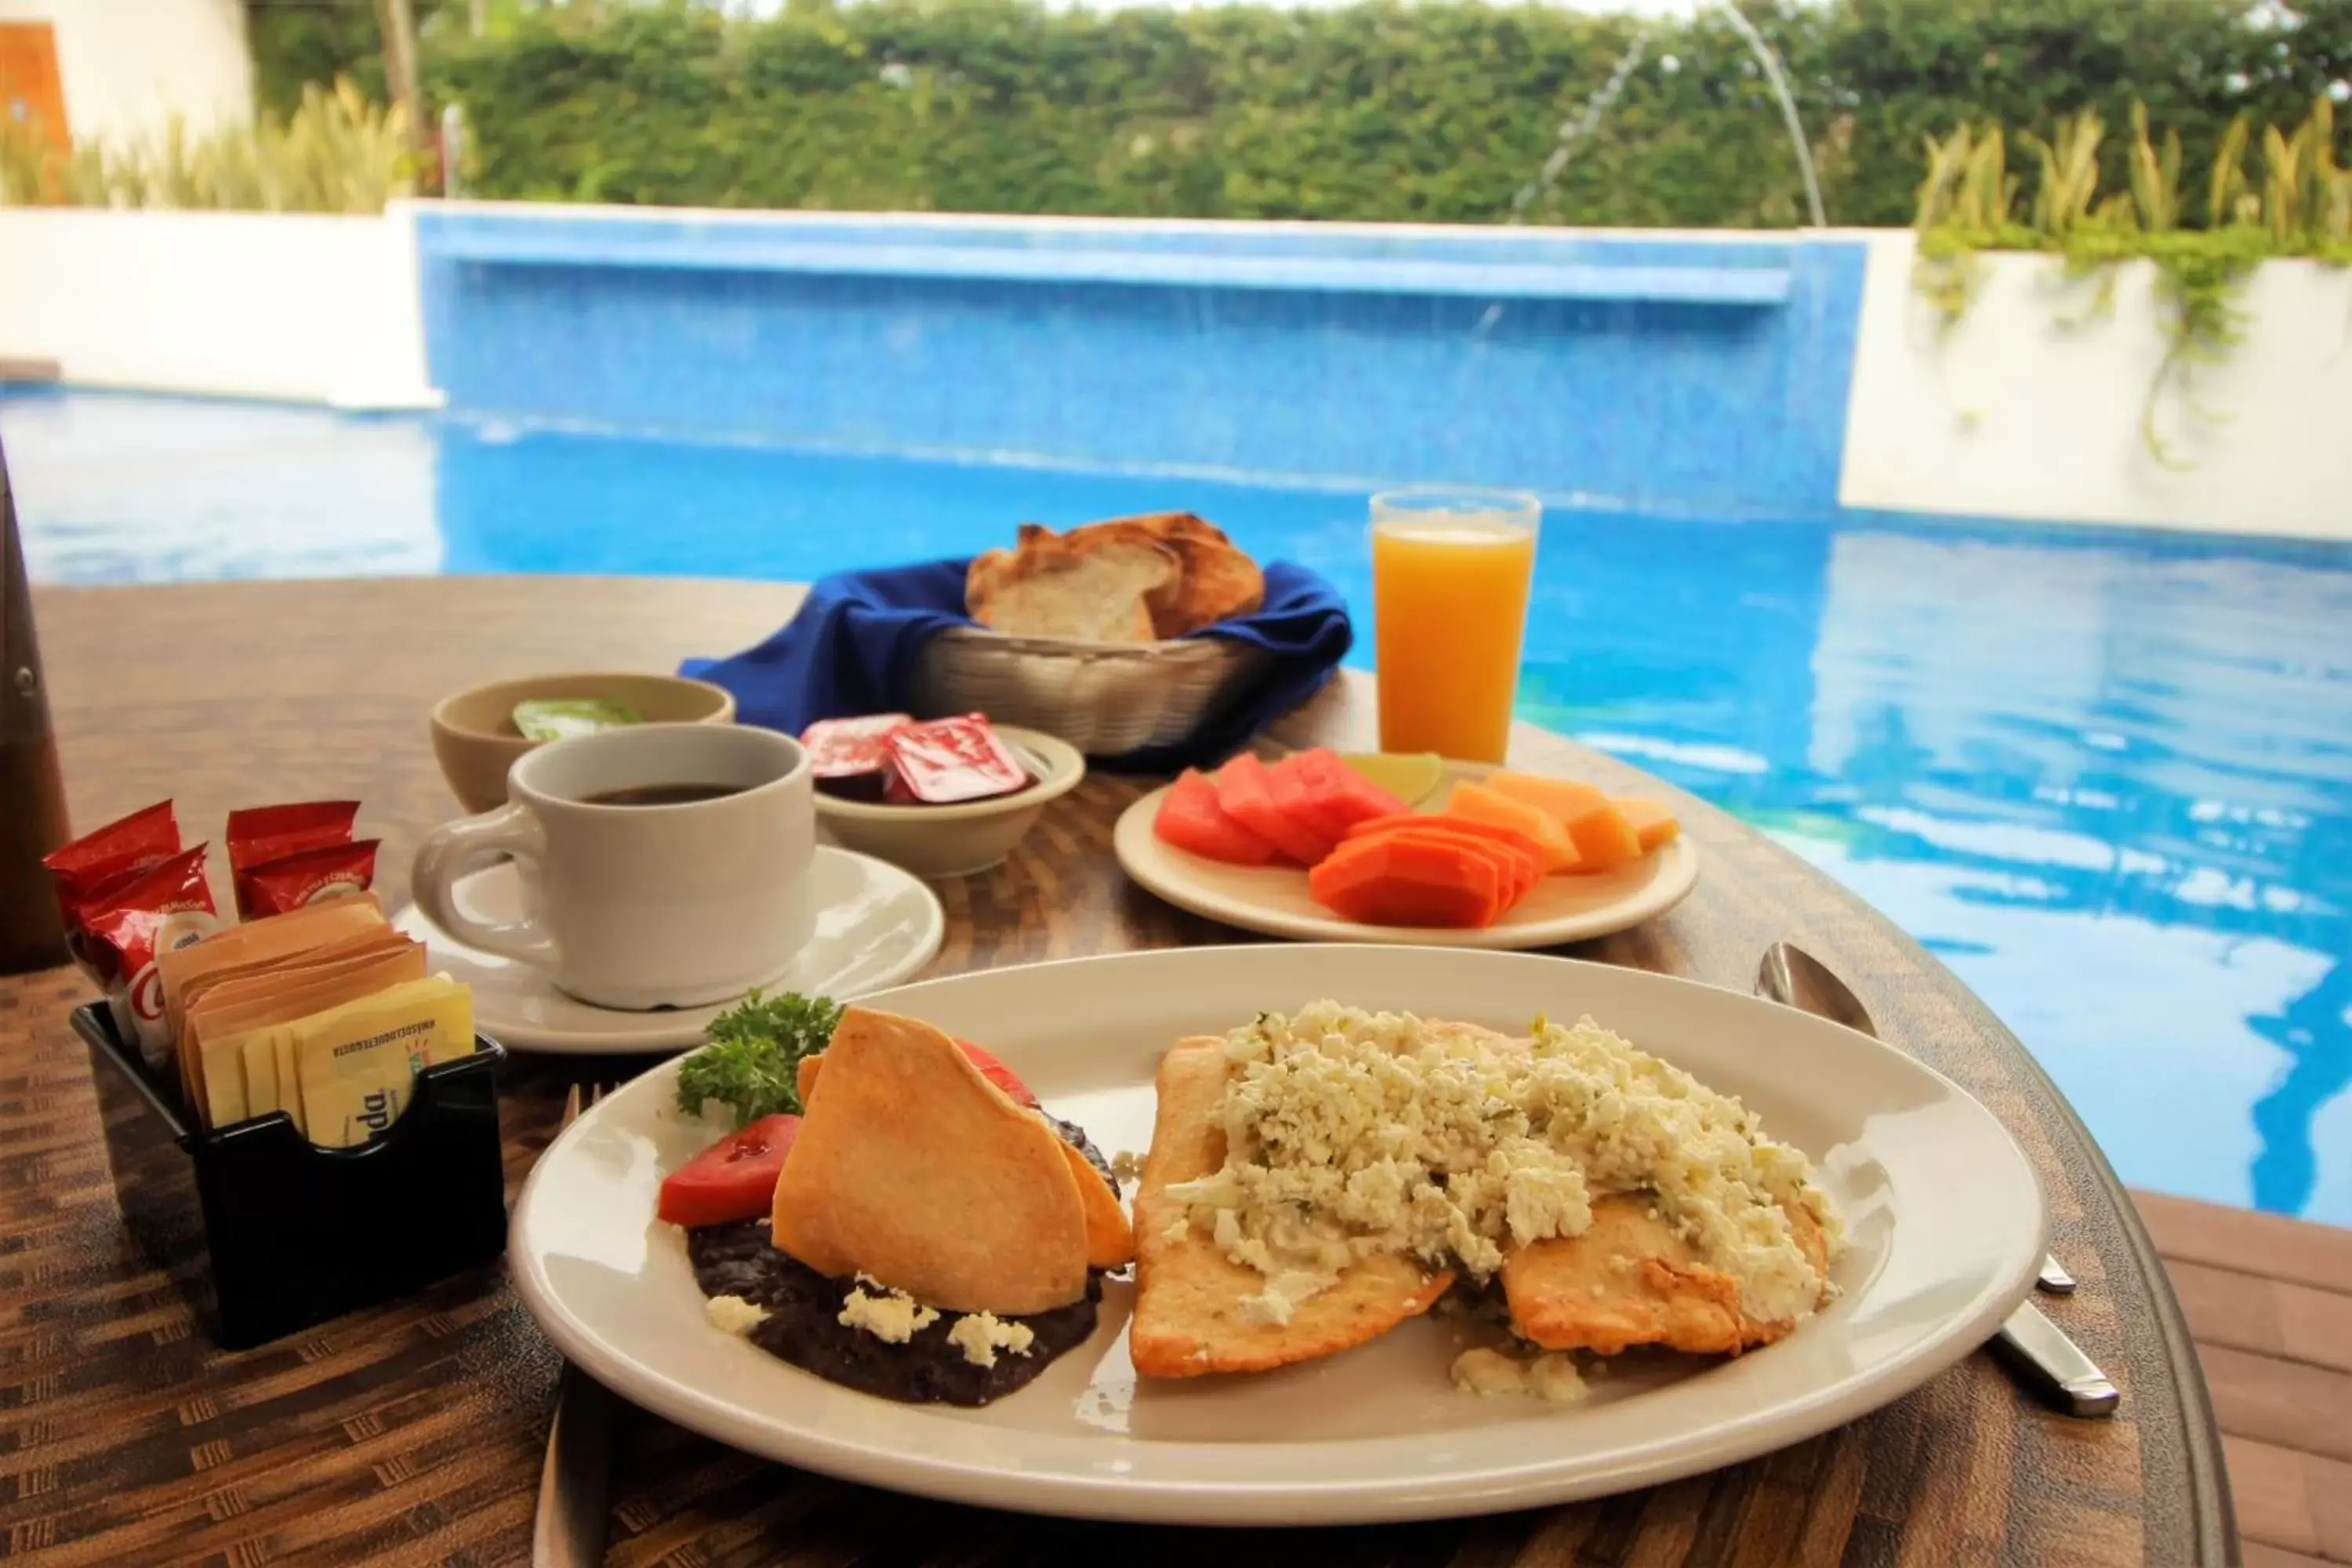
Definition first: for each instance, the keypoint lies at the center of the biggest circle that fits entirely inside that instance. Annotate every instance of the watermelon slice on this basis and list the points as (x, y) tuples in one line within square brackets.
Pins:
[(1343, 796), (1192, 820), (1247, 796), (1293, 797)]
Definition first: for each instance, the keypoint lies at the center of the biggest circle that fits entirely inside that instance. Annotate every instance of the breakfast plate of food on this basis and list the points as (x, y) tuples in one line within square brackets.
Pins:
[(1415, 849), (1277, 1233)]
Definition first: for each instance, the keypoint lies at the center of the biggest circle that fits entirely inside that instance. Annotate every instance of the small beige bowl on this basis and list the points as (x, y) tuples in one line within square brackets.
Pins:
[(474, 735), (957, 840)]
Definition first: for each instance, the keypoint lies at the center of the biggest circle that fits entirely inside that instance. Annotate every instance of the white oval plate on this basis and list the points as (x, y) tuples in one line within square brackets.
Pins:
[(875, 926), (1275, 900), (1946, 1219)]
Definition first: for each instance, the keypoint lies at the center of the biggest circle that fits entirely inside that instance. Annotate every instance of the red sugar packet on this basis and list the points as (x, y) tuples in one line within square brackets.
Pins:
[(329, 871), (261, 834), (951, 760), (168, 906)]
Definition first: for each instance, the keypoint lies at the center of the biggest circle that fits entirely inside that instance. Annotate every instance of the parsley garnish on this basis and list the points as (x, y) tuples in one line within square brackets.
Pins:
[(752, 1061)]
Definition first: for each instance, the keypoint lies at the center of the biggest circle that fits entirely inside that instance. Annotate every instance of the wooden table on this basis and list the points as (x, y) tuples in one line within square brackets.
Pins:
[(414, 1432)]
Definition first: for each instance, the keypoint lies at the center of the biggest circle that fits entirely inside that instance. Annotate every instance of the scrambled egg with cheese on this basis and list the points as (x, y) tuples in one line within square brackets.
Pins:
[(1351, 1134)]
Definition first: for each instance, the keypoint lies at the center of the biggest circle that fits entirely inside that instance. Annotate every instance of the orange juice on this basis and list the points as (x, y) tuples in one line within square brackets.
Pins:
[(1450, 605)]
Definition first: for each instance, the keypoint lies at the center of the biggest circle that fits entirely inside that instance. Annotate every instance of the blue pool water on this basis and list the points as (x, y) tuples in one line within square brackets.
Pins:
[(2106, 777)]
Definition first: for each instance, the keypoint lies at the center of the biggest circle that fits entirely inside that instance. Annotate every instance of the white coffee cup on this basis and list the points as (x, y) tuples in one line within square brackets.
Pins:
[(641, 906)]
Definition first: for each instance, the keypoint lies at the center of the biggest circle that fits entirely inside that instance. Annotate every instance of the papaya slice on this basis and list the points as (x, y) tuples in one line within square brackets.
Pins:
[(1524, 855), (1403, 880), (1476, 802)]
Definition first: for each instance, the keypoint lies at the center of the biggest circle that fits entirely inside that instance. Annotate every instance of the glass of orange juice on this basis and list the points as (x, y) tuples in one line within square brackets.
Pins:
[(1451, 572)]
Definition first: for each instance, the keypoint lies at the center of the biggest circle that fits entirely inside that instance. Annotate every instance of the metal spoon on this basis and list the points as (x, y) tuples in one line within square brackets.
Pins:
[(1794, 978)]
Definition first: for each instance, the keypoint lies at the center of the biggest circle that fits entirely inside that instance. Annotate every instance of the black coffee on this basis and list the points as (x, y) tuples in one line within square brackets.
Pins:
[(662, 795)]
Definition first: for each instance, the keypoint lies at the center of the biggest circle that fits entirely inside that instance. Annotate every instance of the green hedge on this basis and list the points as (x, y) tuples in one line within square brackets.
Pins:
[(1436, 111)]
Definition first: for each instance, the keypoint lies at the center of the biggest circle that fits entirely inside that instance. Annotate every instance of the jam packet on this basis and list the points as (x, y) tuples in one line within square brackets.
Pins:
[(950, 760), (259, 835), (851, 757), (314, 876), (97, 865), (168, 906)]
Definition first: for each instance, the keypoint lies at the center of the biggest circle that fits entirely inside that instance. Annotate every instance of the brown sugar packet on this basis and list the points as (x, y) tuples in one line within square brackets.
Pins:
[(321, 988), (248, 983), (259, 941)]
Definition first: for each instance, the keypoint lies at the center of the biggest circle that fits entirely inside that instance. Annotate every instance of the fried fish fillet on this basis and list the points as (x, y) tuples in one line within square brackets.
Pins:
[(1631, 1280), (1189, 1316)]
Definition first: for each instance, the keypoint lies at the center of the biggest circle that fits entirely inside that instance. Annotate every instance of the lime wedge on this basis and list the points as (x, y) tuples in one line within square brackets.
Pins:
[(557, 719), (1411, 777)]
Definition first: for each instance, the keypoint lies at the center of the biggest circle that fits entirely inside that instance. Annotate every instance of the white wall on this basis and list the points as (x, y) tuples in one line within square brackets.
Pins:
[(2012, 414), (127, 65), (310, 308)]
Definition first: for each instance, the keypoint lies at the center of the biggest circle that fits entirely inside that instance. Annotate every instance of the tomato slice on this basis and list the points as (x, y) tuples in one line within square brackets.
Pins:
[(733, 1179), (997, 1073)]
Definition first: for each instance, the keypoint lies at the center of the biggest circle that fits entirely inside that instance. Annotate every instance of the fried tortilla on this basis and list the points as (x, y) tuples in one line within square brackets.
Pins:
[(1110, 1239), (911, 1168), (1631, 1280), (1189, 1316)]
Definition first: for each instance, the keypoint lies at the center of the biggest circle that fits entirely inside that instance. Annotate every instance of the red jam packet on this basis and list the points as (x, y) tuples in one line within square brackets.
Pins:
[(261, 834), (950, 760), (844, 748), (94, 866), (329, 871), (166, 907)]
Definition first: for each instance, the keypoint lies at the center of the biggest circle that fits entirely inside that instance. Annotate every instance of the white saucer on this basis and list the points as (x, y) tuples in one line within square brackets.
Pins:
[(875, 926)]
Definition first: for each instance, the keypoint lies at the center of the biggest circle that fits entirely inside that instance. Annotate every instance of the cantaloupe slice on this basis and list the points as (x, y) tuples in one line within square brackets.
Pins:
[(1602, 837), (1564, 799), (1477, 802), (1653, 824)]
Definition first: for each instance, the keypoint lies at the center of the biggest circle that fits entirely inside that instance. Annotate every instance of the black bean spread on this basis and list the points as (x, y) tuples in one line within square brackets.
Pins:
[(803, 1324)]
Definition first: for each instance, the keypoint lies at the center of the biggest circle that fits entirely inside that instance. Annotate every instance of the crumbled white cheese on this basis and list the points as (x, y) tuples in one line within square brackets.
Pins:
[(1352, 1134), (891, 1315), (1553, 1377), (1126, 1166), (1488, 1372), (980, 1335), (733, 1315)]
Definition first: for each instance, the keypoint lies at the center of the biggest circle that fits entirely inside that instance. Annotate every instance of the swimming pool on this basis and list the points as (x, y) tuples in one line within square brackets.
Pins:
[(2106, 777)]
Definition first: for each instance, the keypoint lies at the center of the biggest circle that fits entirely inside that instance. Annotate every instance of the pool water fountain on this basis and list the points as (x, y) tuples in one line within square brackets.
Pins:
[(1575, 131)]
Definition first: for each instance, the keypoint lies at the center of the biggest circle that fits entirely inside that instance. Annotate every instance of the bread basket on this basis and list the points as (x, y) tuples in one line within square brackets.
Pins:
[(1104, 699)]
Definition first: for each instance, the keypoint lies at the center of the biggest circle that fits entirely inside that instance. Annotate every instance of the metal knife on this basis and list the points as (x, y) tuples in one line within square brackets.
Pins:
[(2056, 1364), (569, 1529)]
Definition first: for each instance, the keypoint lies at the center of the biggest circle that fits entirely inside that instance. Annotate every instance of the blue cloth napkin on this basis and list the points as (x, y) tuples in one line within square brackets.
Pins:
[(852, 649)]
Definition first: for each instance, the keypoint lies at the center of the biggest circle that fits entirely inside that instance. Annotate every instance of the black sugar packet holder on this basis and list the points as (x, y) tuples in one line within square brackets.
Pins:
[(267, 1232)]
